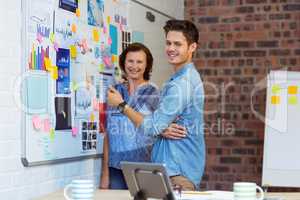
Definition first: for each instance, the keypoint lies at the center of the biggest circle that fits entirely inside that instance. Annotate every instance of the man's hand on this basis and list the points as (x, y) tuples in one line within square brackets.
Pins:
[(114, 98), (175, 132)]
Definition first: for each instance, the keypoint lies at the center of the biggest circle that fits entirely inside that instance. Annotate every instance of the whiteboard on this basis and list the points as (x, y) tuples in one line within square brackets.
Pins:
[(61, 101), (281, 163)]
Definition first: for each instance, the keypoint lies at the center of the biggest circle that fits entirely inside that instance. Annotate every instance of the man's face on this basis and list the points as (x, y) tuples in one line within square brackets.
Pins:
[(177, 49)]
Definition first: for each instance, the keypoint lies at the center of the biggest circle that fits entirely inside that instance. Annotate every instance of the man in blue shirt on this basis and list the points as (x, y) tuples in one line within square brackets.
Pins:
[(181, 102)]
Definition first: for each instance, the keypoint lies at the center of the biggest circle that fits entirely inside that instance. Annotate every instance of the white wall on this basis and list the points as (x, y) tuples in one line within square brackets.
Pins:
[(16, 181), (154, 35)]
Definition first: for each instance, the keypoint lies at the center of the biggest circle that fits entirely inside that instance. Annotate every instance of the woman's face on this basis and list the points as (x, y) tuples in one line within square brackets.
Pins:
[(135, 65)]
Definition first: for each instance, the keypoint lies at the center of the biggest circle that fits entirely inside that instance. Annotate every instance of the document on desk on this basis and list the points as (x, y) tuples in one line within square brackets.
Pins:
[(207, 195)]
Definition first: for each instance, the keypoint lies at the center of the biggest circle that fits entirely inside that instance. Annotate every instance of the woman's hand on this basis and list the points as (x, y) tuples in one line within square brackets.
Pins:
[(104, 182), (175, 132), (114, 98)]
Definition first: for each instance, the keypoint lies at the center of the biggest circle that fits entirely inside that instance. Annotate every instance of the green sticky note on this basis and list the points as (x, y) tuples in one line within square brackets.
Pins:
[(276, 89), (74, 86), (52, 135), (101, 68), (293, 100)]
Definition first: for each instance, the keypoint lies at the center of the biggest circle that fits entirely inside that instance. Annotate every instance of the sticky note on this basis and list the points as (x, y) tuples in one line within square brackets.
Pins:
[(74, 28), (39, 38), (84, 44), (114, 58), (74, 86), (104, 29), (109, 41), (92, 117), (77, 12), (52, 37), (95, 35), (276, 89), (36, 122), (292, 90), (275, 100), (74, 131), (292, 100), (108, 19), (107, 61), (121, 27), (52, 134), (101, 68), (95, 104), (73, 51), (47, 63), (54, 72), (46, 125)]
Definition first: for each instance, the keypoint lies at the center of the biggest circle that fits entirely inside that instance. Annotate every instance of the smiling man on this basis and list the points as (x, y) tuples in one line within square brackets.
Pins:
[(181, 102)]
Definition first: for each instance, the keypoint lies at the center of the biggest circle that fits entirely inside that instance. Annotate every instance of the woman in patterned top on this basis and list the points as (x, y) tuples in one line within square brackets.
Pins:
[(123, 142)]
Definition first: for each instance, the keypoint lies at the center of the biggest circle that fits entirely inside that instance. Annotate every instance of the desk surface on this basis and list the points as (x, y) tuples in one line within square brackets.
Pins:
[(124, 195)]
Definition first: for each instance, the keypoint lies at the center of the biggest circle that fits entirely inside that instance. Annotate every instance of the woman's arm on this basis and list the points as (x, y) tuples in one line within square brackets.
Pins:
[(104, 180)]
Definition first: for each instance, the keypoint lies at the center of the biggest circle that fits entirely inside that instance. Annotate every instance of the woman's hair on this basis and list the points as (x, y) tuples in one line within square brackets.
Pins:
[(134, 47)]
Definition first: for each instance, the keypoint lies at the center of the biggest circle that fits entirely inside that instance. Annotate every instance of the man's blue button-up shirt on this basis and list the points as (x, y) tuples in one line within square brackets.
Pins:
[(181, 102)]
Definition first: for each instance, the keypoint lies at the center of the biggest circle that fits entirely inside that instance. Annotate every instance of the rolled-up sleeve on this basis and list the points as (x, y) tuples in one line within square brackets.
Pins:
[(173, 101)]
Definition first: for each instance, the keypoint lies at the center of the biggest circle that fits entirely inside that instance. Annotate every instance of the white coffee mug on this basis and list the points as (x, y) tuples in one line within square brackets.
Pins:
[(247, 191), (79, 189)]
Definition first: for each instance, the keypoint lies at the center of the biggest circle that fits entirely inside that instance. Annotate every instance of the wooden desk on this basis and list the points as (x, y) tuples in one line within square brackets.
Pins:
[(124, 195)]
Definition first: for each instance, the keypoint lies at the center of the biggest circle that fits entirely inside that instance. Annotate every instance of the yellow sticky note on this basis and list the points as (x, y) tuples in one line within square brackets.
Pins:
[(74, 28), (292, 89), (101, 68), (292, 100), (52, 37), (114, 58), (92, 117), (54, 72), (52, 135), (77, 12), (73, 51), (108, 19), (276, 89), (275, 100), (48, 64), (95, 35), (74, 86)]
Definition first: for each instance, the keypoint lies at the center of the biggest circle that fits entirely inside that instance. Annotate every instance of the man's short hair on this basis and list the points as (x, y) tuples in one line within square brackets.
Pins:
[(188, 29)]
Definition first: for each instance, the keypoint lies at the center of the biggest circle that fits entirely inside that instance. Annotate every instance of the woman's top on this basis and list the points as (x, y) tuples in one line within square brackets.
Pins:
[(126, 143)]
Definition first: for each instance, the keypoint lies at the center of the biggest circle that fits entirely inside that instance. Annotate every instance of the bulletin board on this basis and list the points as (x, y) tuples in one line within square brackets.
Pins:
[(281, 163), (70, 54)]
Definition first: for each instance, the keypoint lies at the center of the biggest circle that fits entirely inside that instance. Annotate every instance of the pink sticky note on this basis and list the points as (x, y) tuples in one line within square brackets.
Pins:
[(39, 38), (36, 122), (55, 45), (109, 41), (46, 125), (104, 29), (95, 104), (84, 44), (107, 61), (121, 27), (74, 131)]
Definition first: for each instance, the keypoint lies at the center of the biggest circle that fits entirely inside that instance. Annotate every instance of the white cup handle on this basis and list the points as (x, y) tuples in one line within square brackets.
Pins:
[(261, 193), (66, 192)]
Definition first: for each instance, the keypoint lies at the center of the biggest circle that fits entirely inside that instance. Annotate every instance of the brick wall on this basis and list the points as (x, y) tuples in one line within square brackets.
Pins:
[(240, 41)]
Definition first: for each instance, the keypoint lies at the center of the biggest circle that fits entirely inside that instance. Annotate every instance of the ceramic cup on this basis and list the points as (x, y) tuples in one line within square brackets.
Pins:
[(79, 189), (247, 191)]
